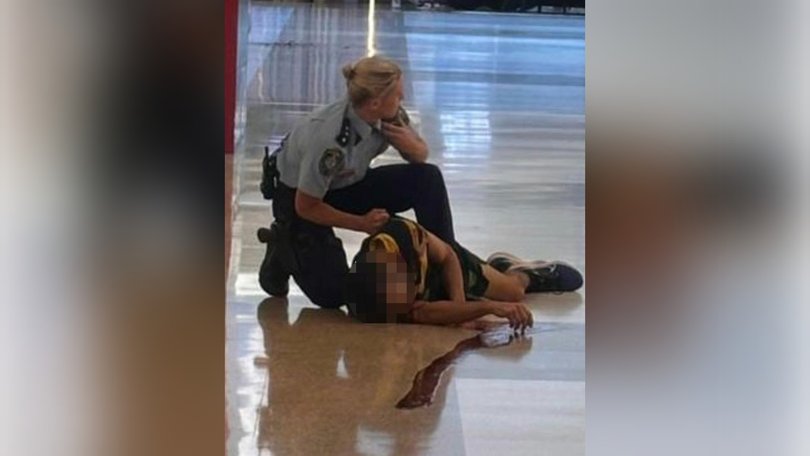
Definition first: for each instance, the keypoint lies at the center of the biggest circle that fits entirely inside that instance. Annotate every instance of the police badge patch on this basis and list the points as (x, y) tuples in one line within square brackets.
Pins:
[(331, 162)]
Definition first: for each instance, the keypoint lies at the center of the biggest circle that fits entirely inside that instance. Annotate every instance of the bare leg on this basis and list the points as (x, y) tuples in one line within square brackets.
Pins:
[(505, 287)]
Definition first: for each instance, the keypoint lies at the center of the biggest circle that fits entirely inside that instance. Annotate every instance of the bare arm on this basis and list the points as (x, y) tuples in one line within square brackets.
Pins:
[(315, 210), (407, 142), (450, 312), (441, 253)]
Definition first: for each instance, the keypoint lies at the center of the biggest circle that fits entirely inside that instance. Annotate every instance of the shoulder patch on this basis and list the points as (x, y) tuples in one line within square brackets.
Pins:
[(332, 161)]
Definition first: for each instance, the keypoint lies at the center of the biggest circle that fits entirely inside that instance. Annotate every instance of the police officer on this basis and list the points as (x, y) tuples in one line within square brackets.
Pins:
[(319, 178)]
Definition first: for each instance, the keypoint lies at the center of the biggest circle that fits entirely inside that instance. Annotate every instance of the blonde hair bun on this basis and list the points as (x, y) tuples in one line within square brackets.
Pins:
[(370, 77), (348, 71)]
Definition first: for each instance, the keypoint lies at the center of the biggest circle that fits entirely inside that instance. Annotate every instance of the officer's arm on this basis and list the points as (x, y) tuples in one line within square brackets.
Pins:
[(407, 142), (319, 164), (439, 252), (315, 210)]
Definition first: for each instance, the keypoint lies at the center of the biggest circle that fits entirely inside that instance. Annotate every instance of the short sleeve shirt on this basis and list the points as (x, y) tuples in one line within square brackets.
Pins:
[(331, 148)]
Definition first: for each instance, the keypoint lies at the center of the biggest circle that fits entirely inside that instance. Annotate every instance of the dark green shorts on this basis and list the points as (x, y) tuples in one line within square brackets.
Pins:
[(475, 284)]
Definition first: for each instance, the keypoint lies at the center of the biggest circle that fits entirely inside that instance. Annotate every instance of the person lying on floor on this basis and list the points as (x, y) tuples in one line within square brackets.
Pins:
[(405, 274)]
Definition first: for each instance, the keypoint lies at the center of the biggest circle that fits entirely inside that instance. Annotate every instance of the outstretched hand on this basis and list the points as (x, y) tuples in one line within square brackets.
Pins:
[(519, 316)]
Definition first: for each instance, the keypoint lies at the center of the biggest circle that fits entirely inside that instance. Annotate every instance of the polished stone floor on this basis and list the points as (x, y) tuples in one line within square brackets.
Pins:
[(500, 100)]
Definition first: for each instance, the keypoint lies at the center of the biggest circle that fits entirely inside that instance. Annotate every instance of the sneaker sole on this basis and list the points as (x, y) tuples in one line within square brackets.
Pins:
[(508, 256)]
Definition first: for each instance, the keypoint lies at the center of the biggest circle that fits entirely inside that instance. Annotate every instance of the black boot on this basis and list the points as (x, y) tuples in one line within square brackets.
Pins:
[(273, 277)]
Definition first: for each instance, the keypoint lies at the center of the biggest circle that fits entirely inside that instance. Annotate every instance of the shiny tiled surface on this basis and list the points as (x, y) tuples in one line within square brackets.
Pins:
[(500, 101), (554, 411)]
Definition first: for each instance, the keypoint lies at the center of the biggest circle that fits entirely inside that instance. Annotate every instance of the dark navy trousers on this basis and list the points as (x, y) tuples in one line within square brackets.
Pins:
[(319, 266)]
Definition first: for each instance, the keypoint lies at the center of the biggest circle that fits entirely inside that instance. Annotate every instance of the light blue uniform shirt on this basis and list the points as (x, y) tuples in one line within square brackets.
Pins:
[(329, 149)]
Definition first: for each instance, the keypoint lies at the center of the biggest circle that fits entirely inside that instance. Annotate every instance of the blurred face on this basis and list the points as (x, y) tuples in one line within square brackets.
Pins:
[(388, 105), (395, 283)]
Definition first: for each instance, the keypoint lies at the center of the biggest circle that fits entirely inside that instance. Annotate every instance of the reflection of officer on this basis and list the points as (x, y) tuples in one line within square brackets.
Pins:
[(320, 178)]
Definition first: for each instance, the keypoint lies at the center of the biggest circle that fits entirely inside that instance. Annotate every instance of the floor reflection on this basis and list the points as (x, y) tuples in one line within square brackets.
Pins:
[(327, 379)]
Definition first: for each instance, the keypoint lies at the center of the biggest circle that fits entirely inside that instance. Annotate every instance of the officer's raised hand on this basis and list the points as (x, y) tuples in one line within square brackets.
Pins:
[(374, 220), (406, 141)]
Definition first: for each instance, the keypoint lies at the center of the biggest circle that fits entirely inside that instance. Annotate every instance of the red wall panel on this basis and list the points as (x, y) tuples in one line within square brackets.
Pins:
[(231, 28)]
